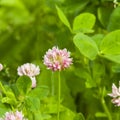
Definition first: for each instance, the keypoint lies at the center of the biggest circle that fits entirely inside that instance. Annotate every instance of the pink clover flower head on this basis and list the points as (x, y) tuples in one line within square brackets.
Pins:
[(19, 115), (116, 101), (29, 70), (13, 116), (115, 94), (57, 59), (1, 67), (10, 116)]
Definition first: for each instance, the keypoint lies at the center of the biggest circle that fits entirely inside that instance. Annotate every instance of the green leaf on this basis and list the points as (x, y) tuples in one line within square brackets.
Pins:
[(10, 98), (46, 116), (98, 39), (114, 23), (79, 116), (63, 18), (84, 23), (14, 89), (116, 68), (24, 84), (114, 58), (90, 83), (40, 92), (9, 95), (3, 109), (37, 115), (32, 103), (67, 115), (86, 46), (104, 15), (7, 100), (52, 108), (111, 43), (2, 88), (98, 72)]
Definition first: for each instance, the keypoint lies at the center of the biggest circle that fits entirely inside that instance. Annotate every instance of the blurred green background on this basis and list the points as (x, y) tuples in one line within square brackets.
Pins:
[(28, 28)]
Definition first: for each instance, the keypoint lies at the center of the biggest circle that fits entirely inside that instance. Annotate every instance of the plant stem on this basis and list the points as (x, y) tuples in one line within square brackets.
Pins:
[(52, 84), (117, 117), (106, 109), (59, 93)]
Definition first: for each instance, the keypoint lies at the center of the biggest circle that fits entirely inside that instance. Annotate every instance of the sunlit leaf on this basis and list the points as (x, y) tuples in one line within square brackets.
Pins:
[(84, 23), (110, 46), (10, 98), (40, 92), (32, 103), (86, 46), (24, 84), (62, 17)]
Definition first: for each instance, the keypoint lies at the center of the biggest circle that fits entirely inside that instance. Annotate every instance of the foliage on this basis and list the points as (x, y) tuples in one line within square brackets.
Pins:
[(90, 29)]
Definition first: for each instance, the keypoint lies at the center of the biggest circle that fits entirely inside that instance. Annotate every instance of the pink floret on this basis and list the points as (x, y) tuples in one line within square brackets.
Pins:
[(115, 95)]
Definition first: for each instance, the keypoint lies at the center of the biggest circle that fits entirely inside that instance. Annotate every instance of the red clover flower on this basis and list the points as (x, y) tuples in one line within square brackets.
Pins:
[(13, 116), (29, 70), (57, 59), (115, 94)]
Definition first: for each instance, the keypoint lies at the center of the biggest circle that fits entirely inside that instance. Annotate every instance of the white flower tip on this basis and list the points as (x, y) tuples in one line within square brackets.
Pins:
[(28, 69), (1, 67), (33, 79)]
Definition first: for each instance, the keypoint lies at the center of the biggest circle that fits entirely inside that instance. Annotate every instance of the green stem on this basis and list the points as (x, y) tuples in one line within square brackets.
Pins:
[(52, 84), (106, 109), (59, 94), (12, 107), (117, 117)]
